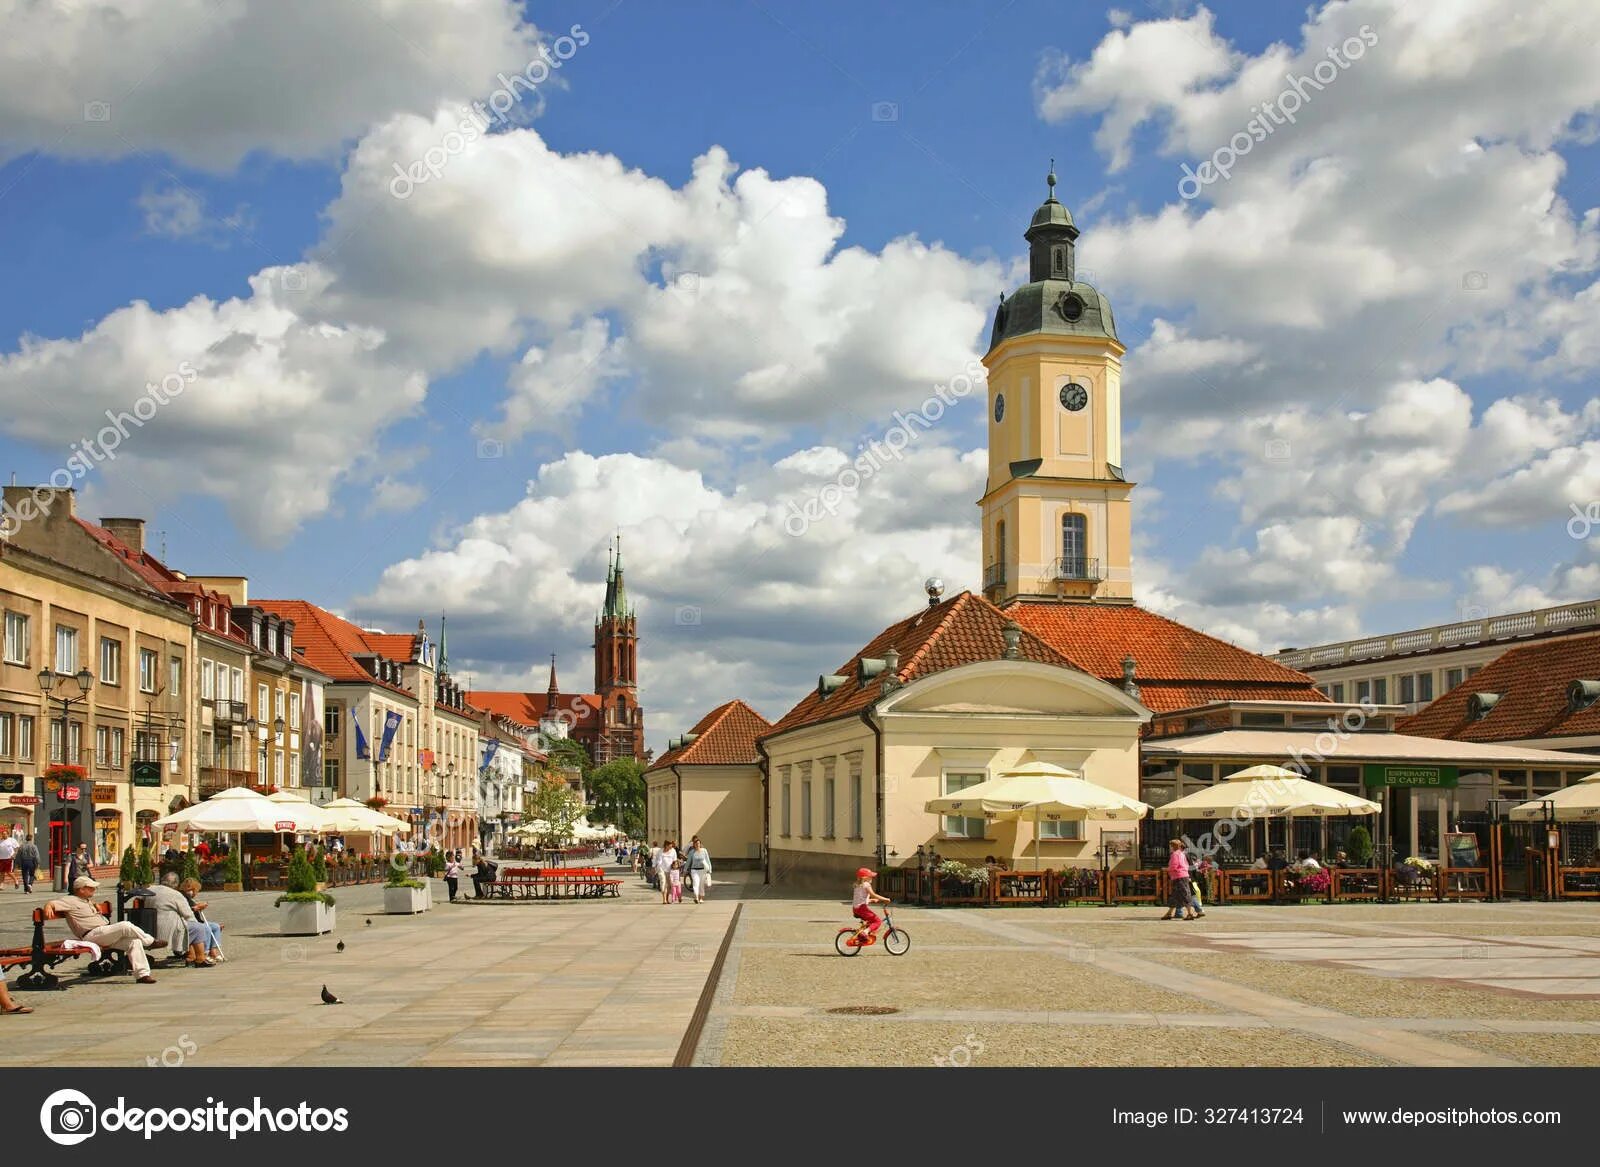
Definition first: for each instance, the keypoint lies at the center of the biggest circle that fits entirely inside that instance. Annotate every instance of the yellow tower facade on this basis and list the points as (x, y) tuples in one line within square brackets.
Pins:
[(1056, 507)]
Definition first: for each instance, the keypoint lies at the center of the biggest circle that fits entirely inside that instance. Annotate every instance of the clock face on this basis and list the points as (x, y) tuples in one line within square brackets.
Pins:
[(999, 406), (1074, 396)]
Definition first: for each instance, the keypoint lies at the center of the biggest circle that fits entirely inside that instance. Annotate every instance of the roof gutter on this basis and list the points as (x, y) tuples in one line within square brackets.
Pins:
[(678, 782), (881, 852), (765, 762)]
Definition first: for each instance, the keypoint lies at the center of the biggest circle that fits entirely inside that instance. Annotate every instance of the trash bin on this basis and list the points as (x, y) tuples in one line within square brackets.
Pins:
[(59, 878)]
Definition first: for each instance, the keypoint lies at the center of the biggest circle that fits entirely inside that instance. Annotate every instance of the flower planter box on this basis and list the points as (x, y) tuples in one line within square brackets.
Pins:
[(406, 901), (233, 887), (307, 919)]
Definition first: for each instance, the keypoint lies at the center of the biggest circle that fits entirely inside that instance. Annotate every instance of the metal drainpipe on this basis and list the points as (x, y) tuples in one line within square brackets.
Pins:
[(877, 783), (679, 780), (766, 811)]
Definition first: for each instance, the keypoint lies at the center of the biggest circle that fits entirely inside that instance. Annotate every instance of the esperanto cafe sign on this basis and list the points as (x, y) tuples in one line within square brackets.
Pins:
[(1424, 777)]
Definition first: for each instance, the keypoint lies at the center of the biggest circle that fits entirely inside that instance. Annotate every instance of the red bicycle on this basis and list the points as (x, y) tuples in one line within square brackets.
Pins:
[(851, 940)]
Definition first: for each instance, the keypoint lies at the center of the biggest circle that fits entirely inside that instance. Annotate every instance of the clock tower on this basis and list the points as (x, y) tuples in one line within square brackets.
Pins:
[(1056, 515)]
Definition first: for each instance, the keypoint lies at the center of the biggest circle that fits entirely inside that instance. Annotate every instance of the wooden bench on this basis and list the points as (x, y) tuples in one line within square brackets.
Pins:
[(553, 883), (41, 956)]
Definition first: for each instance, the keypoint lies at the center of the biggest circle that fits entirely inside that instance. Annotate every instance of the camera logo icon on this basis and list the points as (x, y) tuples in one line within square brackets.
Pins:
[(1474, 281), (1277, 450), (885, 111), (687, 615), (68, 1117), (490, 448), (97, 111)]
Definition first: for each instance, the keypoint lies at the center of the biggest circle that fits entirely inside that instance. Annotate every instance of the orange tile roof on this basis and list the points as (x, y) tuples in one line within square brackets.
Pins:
[(331, 643), (1175, 666), (724, 737), (961, 630), (528, 708), (1532, 682), (163, 579)]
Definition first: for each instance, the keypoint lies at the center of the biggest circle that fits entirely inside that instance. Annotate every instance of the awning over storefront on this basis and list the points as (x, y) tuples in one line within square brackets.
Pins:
[(1288, 746)]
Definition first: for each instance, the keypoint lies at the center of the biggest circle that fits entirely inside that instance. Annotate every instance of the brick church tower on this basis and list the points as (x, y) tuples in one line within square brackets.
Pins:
[(616, 671)]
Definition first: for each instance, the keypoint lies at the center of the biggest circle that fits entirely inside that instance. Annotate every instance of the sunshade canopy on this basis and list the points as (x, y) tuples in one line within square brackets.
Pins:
[(236, 809), (1579, 802), (1266, 792), (1039, 790)]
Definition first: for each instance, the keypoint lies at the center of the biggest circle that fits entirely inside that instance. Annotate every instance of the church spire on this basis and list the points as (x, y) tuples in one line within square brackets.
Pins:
[(610, 606), (553, 693), (1050, 237), (622, 591), (444, 658)]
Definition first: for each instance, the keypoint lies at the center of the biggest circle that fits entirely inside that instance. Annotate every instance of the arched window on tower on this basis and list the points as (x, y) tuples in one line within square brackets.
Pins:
[(1074, 546), (622, 710)]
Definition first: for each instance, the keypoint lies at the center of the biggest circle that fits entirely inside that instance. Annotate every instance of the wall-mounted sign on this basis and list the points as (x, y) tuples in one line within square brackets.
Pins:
[(52, 785), (104, 792), (25, 800), (147, 773), (1424, 777), (69, 793), (11, 783)]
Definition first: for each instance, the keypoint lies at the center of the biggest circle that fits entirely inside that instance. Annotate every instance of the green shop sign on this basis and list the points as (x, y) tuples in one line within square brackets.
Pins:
[(147, 773), (1423, 776)]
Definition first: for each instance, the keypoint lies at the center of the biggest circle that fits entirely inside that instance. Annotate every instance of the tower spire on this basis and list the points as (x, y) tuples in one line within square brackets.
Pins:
[(444, 659), (553, 693)]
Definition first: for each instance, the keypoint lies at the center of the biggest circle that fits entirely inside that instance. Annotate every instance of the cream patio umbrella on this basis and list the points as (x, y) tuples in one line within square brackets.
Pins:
[(347, 816), (1266, 792), (1043, 793), (308, 818), (1579, 802), (230, 811)]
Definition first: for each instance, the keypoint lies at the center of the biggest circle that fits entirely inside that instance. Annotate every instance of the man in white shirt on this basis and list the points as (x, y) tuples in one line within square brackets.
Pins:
[(664, 862), (8, 866)]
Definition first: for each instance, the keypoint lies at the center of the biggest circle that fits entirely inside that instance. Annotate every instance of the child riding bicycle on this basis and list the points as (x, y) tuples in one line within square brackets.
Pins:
[(861, 896)]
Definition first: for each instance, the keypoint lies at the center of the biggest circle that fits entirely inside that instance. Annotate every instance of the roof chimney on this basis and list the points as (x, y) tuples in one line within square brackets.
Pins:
[(129, 532)]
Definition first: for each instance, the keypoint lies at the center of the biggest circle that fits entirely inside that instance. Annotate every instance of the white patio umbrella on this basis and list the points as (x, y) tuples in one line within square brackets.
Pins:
[(1043, 793), (347, 816), (308, 818), (1266, 792), (236, 809), (1579, 802)]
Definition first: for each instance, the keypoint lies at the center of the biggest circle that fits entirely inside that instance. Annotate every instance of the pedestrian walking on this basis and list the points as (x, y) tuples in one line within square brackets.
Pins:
[(452, 876), (28, 862), (699, 870), (78, 865), (675, 880), (1180, 899), (665, 862), (8, 860)]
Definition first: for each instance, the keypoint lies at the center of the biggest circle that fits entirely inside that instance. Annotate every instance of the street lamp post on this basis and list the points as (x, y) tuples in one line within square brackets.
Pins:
[(48, 680)]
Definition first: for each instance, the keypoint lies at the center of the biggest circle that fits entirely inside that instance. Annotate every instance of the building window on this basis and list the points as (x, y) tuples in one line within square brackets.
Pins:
[(261, 704), (102, 745), (330, 772), (1336, 690), (110, 661), (954, 825), (805, 800), (66, 649), (75, 742), (149, 670), (294, 767), (1380, 691), (208, 686), (57, 740), (855, 800), (16, 638), (827, 807), (238, 685), (261, 763), (175, 678), (1408, 689), (1074, 543), (1472, 670), (277, 767), (1364, 691), (1424, 686), (332, 715), (8, 724), (1061, 829), (785, 813), (294, 712), (119, 742), (146, 746), (1453, 677), (24, 739)]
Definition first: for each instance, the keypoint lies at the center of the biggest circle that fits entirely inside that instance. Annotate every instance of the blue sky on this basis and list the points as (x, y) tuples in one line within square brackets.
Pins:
[(1435, 426)]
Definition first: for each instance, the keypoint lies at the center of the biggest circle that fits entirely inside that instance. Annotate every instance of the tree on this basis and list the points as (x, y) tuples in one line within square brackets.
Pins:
[(557, 804), (617, 792), (128, 875), (564, 751), (1360, 845)]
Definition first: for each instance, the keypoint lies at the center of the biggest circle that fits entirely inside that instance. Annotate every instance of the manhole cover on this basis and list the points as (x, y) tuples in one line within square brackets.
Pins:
[(865, 1010)]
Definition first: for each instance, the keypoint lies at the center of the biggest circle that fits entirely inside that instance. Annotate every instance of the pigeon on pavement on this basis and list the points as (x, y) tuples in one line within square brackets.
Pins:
[(328, 998)]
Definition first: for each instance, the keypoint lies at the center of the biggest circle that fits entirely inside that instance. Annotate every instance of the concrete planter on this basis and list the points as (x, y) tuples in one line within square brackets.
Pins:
[(427, 893), (308, 919), (405, 901), (233, 887)]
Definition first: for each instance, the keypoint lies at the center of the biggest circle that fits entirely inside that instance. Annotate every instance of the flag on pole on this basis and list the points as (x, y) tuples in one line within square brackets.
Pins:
[(361, 738), (391, 722)]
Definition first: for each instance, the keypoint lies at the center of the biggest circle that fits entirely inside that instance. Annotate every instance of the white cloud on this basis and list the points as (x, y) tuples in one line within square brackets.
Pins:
[(209, 81), (176, 212), (551, 385)]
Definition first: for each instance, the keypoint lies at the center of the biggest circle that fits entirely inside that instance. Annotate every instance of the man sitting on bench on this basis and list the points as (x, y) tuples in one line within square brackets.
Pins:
[(88, 924)]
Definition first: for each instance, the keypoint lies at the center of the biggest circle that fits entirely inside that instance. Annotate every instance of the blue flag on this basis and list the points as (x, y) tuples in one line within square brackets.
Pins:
[(488, 753), (361, 739), (391, 722)]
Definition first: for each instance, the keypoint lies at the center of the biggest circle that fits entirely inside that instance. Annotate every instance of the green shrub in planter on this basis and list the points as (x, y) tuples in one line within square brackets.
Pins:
[(146, 870), (302, 883), (435, 863), (1360, 846), (231, 871), (128, 874), (399, 878), (191, 866), (319, 866)]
